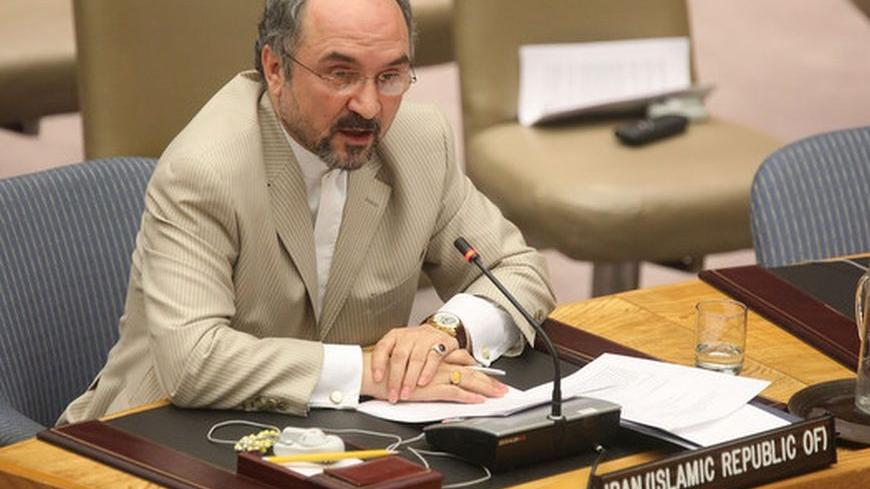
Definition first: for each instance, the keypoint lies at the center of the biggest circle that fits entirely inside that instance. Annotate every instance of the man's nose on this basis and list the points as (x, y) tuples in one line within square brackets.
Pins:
[(366, 100)]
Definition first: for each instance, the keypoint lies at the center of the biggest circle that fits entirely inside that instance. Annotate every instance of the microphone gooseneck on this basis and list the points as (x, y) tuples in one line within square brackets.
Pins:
[(472, 256)]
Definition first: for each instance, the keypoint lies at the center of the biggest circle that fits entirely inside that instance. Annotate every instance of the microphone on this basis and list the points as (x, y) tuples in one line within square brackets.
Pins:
[(504, 442), (472, 256)]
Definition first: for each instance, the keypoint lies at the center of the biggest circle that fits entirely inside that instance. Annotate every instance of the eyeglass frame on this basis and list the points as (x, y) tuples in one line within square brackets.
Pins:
[(333, 82)]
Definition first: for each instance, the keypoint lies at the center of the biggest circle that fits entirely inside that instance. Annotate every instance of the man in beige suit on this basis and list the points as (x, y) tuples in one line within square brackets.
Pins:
[(288, 223)]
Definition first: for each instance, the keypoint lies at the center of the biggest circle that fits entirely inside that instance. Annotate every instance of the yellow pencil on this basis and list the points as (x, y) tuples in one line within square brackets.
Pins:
[(328, 456)]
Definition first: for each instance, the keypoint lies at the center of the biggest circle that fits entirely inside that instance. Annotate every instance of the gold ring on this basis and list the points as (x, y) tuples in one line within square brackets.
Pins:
[(455, 377), (439, 348)]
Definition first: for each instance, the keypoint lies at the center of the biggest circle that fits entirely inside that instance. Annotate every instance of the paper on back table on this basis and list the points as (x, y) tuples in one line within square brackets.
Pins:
[(570, 78)]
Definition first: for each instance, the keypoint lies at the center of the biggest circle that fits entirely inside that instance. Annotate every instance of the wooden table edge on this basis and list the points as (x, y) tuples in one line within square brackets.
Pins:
[(13, 475)]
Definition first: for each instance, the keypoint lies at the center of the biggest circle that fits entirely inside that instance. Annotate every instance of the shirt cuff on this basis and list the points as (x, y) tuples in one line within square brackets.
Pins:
[(490, 328), (340, 378)]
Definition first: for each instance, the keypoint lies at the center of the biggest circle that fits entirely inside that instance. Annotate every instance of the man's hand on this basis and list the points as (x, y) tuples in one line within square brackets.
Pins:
[(408, 357), (451, 382)]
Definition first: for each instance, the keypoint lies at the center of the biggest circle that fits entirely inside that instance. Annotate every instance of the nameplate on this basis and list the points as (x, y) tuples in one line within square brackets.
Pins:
[(747, 462)]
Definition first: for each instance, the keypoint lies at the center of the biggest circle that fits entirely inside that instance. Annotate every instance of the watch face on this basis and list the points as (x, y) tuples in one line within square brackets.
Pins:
[(446, 319)]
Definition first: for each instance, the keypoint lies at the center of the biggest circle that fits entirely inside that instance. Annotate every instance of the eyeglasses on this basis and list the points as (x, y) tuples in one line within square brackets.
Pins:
[(390, 83)]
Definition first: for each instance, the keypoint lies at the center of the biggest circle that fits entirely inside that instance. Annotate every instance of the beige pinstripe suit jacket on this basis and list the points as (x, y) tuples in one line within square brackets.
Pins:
[(219, 309)]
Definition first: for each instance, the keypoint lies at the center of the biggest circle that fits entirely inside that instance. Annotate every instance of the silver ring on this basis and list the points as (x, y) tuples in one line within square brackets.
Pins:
[(439, 348)]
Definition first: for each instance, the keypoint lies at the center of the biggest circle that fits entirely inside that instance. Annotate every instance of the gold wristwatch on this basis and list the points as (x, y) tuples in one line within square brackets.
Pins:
[(450, 324)]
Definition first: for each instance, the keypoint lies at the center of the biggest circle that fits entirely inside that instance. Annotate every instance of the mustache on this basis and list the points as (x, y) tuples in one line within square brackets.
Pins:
[(356, 122)]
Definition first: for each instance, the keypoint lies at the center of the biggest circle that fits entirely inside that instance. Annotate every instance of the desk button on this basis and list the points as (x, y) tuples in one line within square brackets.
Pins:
[(336, 397)]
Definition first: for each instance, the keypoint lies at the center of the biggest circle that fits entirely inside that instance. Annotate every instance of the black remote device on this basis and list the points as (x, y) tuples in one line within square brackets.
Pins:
[(648, 130)]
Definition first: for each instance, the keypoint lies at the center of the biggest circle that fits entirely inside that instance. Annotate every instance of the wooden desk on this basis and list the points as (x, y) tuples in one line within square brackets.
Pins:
[(658, 321)]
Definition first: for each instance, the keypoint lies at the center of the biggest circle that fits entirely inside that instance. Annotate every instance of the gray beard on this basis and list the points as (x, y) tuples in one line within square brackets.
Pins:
[(357, 156)]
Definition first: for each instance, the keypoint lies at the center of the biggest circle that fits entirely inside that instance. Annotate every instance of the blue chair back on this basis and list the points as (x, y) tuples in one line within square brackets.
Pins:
[(811, 199), (66, 238)]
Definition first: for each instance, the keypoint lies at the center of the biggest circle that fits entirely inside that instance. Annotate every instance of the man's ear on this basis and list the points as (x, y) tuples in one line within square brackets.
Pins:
[(272, 69)]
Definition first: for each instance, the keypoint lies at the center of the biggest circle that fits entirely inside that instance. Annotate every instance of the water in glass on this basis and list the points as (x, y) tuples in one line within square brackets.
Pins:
[(721, 357)]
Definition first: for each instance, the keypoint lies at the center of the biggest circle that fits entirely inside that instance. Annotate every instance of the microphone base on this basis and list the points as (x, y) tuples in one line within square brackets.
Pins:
[(506, 442)]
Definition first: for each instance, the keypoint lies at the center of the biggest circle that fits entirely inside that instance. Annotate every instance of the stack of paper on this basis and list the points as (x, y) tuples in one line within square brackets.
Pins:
[(701, 406), (562, 80)]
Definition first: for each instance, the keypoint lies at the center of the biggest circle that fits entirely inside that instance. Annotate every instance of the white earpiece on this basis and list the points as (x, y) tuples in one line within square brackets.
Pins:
[(306, 440)]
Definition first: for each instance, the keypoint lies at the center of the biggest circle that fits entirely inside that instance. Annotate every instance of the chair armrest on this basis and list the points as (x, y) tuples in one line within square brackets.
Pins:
[(14, 426)]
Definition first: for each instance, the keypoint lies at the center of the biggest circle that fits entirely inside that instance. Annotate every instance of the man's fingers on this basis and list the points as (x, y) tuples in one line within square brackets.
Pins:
[(407, 357), (477, 382), (460, 357), (437, 354), (398, 363), (461, 385), (447, 392), (421, 355), (423, 362), (467, 397), (455, 357), (381, 354)]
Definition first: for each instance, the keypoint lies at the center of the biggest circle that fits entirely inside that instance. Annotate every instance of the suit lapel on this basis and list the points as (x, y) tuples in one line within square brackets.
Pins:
[(288, 198), (367, 198)]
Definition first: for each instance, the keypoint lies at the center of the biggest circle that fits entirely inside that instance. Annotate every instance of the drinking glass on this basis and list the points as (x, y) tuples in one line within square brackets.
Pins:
[(721, 335), (862, 382)]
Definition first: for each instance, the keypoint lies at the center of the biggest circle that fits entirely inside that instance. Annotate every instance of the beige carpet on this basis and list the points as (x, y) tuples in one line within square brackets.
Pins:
[(788, 67)]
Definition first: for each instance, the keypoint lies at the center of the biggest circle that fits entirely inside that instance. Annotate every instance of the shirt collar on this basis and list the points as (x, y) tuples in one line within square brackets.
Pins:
[(313, 168)]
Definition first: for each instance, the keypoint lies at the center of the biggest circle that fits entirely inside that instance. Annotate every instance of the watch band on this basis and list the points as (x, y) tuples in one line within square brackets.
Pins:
[(461, 336)]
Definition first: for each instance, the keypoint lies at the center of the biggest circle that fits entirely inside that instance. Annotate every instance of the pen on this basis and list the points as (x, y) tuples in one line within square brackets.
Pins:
[(488, 371), (328, 456)]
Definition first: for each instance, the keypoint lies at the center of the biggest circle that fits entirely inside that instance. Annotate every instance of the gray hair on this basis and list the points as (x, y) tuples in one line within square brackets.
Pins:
[(280, 29)]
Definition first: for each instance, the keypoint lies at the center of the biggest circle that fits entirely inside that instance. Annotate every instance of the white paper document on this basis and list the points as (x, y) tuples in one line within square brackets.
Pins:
[(701, 406), (561, 80), (748, 420), (425, 412), (665, 395)]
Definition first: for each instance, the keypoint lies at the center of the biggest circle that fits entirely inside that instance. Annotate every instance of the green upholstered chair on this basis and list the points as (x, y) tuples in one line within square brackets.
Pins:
[(434, 20), (37, 62), (572, 186)]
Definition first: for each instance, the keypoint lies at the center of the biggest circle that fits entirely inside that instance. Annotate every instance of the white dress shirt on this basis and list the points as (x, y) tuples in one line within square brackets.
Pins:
[(490, 329)]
